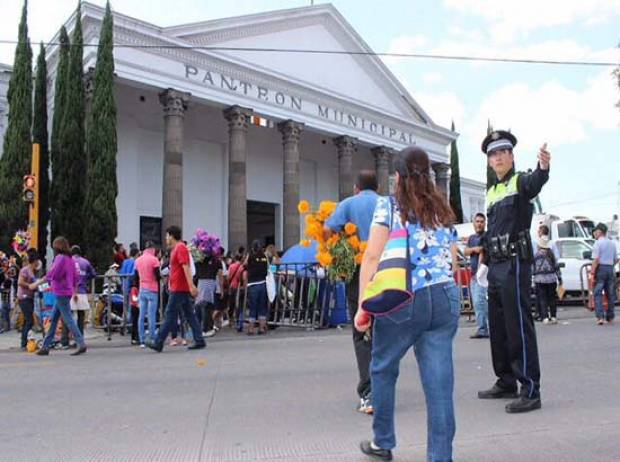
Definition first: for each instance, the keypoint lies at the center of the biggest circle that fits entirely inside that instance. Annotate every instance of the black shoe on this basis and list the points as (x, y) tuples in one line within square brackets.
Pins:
[(479, 334), (523, 404), (154, 346), (43, 352), (79, 351), (383, 454), (197, 346), (497, 392)]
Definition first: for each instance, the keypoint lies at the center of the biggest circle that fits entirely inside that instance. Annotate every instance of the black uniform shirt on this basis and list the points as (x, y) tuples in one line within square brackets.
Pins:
[(509, 202)]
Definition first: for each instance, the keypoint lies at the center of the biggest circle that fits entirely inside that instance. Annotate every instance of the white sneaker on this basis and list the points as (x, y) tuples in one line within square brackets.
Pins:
[(546, 321), (142, 345), (554, 321), (211, 333)]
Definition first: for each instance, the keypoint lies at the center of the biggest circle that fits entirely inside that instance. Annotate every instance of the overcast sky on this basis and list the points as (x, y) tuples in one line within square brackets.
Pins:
[(570, 107)]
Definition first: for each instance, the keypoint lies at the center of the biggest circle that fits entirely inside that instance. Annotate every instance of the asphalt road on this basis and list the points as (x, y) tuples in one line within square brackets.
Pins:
[(290, 397)]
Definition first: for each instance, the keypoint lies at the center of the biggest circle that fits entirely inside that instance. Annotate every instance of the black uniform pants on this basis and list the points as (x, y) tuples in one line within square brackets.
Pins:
[(513, 339), (361, 343)]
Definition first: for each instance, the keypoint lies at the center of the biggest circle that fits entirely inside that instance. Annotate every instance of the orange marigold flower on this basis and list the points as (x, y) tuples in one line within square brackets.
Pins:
[(315, 231), (324, 258), (305, 243), (363, 246), (354, 242), (327, 207), (303, 207), (333, 240), (358, 258), (350, 228), (310, 219)]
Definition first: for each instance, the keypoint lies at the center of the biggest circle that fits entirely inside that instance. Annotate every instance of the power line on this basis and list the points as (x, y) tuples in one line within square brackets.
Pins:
[(579, 201), (351, 53)]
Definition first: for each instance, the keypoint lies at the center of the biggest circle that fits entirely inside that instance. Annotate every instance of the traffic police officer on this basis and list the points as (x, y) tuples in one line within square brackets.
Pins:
[(508, 251)]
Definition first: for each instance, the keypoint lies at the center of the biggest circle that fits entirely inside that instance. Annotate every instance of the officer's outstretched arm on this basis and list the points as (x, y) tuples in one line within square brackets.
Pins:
[(530, 184)]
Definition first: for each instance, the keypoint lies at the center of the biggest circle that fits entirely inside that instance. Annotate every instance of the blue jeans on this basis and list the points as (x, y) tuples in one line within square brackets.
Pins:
[(62, 308), (428, 325), (5, 313), (481, 306), (179, 302), (257, 302), (148, 304), (605, 282)]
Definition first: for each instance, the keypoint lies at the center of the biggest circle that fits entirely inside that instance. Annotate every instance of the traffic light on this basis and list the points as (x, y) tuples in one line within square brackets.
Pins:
[(29, 188)]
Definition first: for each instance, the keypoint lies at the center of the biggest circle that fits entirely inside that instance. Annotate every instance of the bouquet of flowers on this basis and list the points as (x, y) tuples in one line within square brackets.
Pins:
[(21, 242), (342, 251), (204, 245)]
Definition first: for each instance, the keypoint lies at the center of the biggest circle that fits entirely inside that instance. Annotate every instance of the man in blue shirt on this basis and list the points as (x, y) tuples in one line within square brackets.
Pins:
[(359, 210), (605, 257), (473, 250)]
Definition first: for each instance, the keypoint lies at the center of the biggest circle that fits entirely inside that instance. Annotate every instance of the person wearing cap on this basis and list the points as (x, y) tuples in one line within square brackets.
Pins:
[(474, 251), (604, 259), (514, 350)]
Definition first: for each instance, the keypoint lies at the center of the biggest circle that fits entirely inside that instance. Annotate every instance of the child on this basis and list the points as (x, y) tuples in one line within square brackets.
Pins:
[(134, 303)]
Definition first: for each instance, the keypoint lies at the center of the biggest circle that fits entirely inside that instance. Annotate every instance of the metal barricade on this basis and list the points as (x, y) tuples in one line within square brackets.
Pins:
[(110, 307), (304, 297)]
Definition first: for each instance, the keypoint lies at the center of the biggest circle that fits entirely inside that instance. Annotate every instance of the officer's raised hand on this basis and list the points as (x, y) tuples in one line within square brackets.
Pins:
[(544, 157)]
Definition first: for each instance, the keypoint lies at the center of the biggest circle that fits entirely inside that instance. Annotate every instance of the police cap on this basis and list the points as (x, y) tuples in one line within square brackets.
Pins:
[(498, 139)]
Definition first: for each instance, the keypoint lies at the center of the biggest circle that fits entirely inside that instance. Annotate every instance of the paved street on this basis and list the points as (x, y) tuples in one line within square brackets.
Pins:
[(290, 397)]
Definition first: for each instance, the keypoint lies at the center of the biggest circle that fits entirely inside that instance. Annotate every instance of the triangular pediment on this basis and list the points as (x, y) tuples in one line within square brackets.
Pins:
[(359, 78)]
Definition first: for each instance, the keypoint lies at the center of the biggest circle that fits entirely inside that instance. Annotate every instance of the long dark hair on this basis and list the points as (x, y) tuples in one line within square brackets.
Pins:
[(416, 194), (61, 246)]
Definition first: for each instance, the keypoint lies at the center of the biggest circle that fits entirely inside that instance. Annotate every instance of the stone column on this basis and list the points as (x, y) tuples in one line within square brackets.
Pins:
[(175, 105), (442, 177), (346, 147), (291, 134), (237, 183), (382, 157)]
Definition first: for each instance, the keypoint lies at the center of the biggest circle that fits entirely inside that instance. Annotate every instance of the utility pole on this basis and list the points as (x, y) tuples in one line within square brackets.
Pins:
[(33, 218)]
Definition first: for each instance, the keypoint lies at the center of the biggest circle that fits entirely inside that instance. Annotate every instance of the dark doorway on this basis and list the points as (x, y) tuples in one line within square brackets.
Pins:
[(261, 222), (150, 230)]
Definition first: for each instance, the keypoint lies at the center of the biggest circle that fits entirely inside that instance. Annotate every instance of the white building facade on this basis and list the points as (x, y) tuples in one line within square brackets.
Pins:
[(473, 194), (189, 152)]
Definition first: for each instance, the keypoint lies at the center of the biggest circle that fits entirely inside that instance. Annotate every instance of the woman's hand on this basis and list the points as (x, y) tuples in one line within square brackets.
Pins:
[(362, 320)]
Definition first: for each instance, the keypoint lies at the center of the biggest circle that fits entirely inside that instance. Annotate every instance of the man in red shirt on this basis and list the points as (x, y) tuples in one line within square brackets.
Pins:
[(182, 289)]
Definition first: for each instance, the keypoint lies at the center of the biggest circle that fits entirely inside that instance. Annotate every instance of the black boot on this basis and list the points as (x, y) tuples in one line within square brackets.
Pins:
[(523, 404), (497, 392), (382, 454)]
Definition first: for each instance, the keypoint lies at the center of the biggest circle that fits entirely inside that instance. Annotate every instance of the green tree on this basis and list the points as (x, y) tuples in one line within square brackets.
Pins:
[(70, 193), (16, 158), (101, 144), (60, 98), (39, 135), (455, 182), (491, 176)]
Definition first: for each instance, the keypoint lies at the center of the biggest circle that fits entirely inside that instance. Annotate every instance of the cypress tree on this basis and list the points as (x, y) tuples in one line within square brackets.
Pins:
[(491, 176), (70, 193), (17, 149), (455, 182), (39, 135), (60, 92), (102, 189)]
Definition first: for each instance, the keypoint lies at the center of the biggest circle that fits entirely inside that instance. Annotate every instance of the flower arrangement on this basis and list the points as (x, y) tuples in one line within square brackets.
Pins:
[(204, 245), (21, 242), (341, 252)]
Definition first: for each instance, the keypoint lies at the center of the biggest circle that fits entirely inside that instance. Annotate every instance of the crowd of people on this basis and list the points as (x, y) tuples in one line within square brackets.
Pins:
[(152, 286)]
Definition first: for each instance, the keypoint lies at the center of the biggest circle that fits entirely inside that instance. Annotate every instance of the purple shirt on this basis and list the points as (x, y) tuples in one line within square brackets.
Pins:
[(63, 276), (27, 276), (86, 272)]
